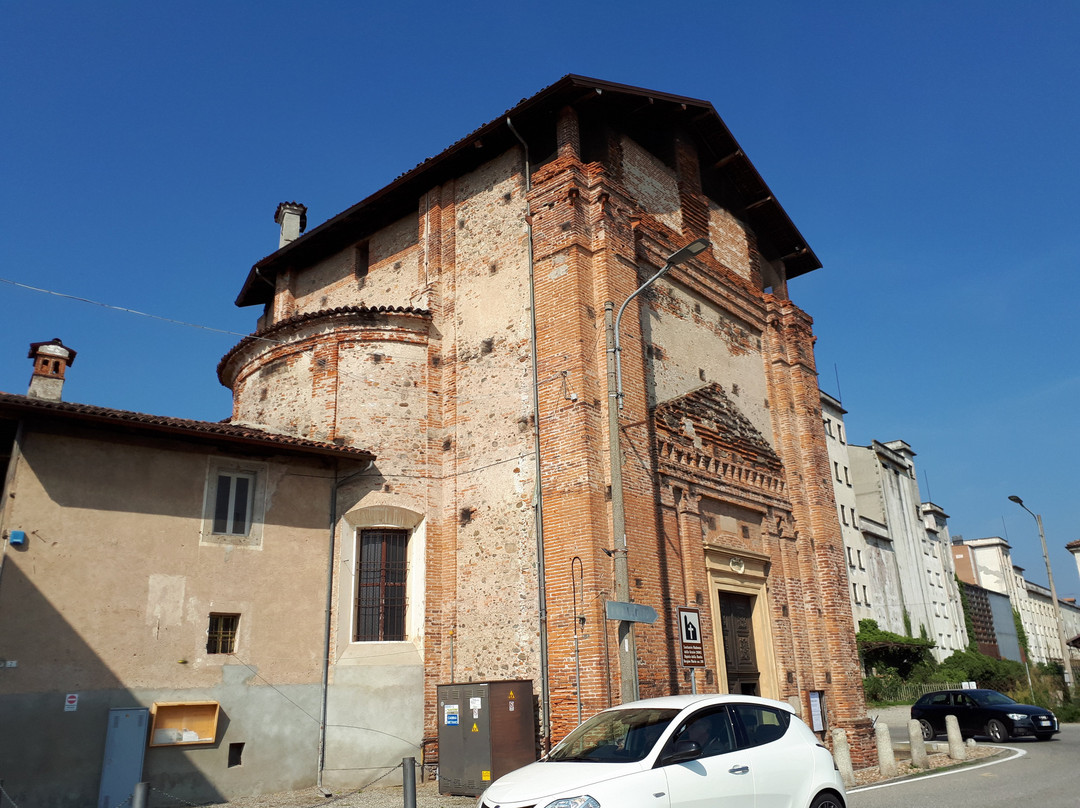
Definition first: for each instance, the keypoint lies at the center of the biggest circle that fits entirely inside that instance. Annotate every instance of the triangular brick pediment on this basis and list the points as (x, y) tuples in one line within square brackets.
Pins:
[(704, 434)]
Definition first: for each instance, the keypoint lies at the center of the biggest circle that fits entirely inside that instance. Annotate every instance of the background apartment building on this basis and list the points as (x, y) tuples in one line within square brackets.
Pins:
[(987, 563), (873, 578), (898, 563)]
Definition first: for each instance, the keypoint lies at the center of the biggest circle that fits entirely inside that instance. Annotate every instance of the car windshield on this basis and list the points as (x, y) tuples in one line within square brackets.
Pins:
[(614, 736), (991, 698)]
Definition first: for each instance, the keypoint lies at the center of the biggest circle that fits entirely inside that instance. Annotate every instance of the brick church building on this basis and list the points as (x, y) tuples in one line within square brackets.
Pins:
[(452, 324)]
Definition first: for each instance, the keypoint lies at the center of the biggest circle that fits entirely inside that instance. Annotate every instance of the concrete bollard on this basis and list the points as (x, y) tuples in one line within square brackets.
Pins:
[(140, 795), (885, 756), (408, 781), (841, 752), (956, 740), (918, 745)]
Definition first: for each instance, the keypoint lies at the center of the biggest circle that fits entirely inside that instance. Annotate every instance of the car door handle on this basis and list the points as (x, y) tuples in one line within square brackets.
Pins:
[(739, 770)]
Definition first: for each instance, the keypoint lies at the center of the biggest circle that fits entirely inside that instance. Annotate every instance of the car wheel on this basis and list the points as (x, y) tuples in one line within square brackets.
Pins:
[(1043, 736), (827, 799), (996, 730), (927, 730)]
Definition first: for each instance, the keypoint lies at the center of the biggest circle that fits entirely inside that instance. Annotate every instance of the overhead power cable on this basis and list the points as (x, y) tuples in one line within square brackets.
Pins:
[(129, 311)]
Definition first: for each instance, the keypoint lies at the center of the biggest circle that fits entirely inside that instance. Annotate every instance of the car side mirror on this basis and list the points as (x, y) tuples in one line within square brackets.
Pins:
[(683, 751)]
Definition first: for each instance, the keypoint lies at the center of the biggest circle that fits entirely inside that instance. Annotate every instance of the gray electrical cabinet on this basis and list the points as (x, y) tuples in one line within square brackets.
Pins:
[(486, 729), (125, 747)]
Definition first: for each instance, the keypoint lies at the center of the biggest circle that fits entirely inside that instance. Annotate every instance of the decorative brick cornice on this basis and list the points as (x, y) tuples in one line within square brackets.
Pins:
[(343, 315)]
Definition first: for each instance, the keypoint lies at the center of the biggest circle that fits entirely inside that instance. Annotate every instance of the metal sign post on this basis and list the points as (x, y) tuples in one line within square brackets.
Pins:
[(691, 646)]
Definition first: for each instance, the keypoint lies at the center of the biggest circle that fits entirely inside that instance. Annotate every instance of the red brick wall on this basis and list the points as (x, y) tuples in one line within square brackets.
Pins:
[(448, 412)]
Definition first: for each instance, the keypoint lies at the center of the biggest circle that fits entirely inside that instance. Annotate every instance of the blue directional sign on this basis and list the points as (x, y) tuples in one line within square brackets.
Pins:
[(631, 612)]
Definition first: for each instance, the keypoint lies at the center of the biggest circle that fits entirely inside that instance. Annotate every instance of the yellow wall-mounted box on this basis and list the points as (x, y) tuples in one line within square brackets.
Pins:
[(176, 723)]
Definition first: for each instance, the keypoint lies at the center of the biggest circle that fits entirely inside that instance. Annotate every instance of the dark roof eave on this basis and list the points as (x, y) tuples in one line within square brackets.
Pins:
[(335, 233), (205, 431)]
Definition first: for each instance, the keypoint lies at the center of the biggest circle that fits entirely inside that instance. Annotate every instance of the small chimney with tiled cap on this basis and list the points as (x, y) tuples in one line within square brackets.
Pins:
[(292, 216), (51, 360)]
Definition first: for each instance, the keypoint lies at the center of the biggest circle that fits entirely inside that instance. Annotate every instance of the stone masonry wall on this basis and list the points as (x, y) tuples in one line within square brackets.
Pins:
[(448, 411)]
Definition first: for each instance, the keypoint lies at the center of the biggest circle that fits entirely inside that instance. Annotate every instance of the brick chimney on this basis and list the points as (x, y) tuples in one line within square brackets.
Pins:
[(51, 360), (292, 216)]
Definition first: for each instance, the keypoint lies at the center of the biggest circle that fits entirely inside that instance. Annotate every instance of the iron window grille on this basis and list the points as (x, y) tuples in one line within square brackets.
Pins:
[(380, 589), (221, 635)]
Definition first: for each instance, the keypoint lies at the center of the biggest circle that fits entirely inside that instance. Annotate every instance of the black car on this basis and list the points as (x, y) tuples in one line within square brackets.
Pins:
[(982, 712)]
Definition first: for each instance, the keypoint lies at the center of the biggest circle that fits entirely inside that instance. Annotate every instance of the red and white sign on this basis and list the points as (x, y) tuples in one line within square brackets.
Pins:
[(693, 649), (71, 702)]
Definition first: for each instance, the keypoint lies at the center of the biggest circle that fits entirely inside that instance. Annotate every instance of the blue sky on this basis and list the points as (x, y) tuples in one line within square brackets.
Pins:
[(927, 151)]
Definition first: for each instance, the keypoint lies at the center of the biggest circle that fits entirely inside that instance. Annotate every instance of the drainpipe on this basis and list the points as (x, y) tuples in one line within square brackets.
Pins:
[(326, 629), (538, 500)]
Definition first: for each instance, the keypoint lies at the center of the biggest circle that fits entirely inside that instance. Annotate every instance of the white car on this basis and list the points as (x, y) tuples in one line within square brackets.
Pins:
[(680, 752)]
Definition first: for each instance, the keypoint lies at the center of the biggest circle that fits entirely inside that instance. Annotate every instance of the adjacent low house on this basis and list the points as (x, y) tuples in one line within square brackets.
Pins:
[(174, 565)]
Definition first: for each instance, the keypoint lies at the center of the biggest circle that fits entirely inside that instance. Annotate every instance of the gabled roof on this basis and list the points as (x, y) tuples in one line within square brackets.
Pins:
[(12, 405), (535, 117)]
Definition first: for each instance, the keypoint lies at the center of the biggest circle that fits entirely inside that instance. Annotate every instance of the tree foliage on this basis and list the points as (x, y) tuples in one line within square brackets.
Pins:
[(887, 651)]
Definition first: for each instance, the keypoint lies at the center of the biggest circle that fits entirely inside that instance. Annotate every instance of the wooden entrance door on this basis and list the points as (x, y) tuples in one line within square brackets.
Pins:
[(740, 656)]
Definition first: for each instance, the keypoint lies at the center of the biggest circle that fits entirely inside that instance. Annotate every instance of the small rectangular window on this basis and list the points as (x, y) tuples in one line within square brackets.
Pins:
[(860, 560), (232, 503), (865, 597), (855, 592), (840, 432), (836, 469), (847, 479), (221, 635), (843, 514), (361, 259)]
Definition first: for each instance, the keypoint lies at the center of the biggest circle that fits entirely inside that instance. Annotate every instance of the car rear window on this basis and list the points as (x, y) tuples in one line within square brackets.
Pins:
[(760, 724)]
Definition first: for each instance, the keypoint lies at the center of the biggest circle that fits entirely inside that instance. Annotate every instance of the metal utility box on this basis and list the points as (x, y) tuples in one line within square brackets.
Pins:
[(125, 747), (486, 729)]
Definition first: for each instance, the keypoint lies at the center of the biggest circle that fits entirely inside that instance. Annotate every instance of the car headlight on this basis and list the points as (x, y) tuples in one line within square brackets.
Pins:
[(581, 801), (1016, 716)]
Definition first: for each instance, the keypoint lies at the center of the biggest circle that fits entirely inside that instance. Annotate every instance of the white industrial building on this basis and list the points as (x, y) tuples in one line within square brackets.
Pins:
[(899, 567)]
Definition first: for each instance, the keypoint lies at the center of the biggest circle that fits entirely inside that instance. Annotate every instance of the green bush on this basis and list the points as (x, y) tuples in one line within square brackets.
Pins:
[(883, 685), (1068, 713), (995, 674)]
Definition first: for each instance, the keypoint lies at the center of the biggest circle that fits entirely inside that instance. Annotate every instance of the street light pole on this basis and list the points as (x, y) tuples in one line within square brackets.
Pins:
[(1065, 660), (628, 674)]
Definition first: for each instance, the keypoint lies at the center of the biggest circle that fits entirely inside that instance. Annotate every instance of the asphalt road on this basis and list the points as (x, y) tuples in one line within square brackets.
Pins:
[(1042, 774)]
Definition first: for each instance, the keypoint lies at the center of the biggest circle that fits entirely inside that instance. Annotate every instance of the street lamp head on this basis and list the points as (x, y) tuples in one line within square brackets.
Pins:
[(689, 251), (1016, 499)]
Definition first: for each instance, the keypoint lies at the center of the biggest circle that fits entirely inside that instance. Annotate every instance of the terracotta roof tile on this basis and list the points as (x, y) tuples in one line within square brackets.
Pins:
[(11, 404)]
